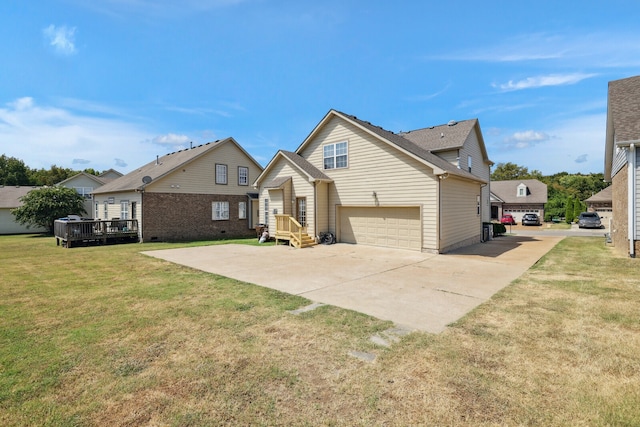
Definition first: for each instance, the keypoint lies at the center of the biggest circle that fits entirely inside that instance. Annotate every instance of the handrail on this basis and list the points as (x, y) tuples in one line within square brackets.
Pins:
[(288, 225)]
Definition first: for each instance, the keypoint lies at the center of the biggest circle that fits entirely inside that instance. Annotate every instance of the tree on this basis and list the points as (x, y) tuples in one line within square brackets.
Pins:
[(578, 208), (568, 215), (510, 171), (13, 171), (42, 206)]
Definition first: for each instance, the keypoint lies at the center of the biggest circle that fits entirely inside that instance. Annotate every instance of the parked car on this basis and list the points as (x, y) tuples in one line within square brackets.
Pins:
[(589, 220), (530, 219), (508, 219)]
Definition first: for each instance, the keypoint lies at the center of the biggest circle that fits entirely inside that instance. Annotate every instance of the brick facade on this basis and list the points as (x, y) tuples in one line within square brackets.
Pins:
[(180, 217)]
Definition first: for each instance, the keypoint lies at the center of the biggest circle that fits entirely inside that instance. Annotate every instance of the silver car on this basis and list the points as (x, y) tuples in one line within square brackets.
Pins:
[(589, 220)]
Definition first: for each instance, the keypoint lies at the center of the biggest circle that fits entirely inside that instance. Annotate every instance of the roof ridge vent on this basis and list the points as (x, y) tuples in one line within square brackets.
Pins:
[(452, 123)]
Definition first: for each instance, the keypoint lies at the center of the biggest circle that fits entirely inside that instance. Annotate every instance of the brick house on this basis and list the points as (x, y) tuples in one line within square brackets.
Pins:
[(621, 164), (518, 197), (199, 193)]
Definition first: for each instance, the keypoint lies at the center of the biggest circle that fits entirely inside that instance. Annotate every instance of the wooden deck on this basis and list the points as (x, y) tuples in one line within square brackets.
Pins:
[(84, 232)]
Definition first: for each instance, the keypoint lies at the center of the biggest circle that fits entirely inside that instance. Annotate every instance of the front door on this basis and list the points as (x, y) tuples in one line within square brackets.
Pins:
[(301, 210)]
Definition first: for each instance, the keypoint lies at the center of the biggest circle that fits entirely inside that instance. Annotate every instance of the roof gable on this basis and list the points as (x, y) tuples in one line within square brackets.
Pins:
[(165, 165), (439, 165), (298, 162), (507, 191), (82, 176), (10, 195)]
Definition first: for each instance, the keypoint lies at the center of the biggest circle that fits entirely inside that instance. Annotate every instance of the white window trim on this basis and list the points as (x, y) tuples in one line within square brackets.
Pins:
[(240, 175), (124, 209), (242, 210), (222, 181), (335, 156), (219, 211)]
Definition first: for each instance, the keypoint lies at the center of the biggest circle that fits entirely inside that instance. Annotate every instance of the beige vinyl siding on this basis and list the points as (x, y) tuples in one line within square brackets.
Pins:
[(113, 210), (284, 199), (375, 166), (8, 224), (459, 219), (198, 177), (637, 195), (322, 207), (449, 156)]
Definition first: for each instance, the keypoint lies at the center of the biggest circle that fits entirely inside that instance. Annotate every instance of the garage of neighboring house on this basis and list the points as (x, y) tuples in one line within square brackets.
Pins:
[(396, 227)]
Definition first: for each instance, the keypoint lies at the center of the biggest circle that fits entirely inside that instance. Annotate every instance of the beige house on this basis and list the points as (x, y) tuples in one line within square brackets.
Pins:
[(85, 183), (199, 193), (622, 162), (422, 190), (518, 197), (10, 196)]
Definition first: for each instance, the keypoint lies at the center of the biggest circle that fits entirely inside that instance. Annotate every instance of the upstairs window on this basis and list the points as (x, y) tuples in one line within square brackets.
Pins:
[(221, 174), (522, 191), (335, 155), (243, 175)]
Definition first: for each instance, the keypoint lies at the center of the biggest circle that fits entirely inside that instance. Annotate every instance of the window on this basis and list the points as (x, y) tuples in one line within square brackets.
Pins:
[(242, 210), (335, 155), (220, 211), (84, 191), (96, 214), (243, 175), (124, 209), (106, 210), (266, 212), (469, 160), (221, 174), (522, 190)]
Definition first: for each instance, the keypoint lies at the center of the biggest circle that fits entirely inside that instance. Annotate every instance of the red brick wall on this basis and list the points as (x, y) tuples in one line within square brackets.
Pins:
[(619, 228), (179, 217)]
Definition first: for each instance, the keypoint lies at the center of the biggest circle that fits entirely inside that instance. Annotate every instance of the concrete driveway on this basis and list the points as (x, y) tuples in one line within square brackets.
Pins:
[(414, 290)]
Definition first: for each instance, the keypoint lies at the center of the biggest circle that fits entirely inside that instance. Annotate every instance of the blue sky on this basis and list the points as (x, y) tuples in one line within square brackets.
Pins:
[(112, 83)]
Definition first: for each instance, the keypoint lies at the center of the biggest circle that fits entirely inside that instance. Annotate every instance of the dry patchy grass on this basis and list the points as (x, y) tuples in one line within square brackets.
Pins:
[(106, 336)]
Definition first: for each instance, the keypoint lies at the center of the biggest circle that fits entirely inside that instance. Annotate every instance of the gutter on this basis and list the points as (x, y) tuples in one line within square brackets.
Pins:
[(631, 203)]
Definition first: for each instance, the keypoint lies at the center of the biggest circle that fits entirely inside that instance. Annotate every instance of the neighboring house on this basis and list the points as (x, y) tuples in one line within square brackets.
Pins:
[(622, 162), (518, 197), (423, 190), (199, 193), (10, 199), (85, 184), (601, 202)]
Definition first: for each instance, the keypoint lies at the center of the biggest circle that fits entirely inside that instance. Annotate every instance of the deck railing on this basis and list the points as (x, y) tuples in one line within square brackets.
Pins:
[(288, 228), (68, 232)]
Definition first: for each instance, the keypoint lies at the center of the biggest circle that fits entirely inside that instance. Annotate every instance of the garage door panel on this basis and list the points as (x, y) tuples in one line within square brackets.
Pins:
[(397, 227)]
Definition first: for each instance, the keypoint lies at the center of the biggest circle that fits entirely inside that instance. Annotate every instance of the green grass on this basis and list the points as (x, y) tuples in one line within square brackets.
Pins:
[(107, 336)]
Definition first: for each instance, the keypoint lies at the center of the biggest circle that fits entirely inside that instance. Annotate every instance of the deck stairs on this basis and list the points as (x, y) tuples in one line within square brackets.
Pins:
[(287, 228)]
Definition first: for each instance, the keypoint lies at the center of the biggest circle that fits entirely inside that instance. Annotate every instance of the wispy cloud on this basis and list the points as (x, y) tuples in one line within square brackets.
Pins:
[(28, 131), (61, 39), (429, 96), (542, 81), (171, 139)]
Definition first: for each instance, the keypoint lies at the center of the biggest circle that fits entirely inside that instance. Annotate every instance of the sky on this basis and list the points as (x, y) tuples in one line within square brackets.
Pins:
[(114, 83)]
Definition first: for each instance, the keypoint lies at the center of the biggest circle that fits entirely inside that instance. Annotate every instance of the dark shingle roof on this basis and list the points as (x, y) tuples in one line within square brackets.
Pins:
[(277, 182), (507, 191), (624, 106)]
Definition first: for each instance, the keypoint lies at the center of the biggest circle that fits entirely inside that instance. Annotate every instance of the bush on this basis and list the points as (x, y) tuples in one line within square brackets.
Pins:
[(498, 228), (548, 217)]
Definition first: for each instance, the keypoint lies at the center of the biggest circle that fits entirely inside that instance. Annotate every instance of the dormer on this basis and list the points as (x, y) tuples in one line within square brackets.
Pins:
[(522, 190)]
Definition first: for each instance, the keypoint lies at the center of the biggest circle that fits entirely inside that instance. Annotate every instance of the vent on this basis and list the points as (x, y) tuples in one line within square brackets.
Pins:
[(452, 123)]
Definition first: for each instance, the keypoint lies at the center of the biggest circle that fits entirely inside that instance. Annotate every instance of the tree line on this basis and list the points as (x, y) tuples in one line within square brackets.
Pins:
[(566, 192), (14, 171)]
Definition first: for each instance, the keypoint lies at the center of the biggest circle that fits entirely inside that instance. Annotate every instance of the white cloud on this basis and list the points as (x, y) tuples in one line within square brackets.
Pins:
[(525, 139), (542, 81), (582, 158), (61, 39), (170, 139), (45, 135)]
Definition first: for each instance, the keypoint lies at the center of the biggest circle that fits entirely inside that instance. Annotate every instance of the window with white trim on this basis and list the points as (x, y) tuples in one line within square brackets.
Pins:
[(335, 155), (243, 175), (124, 209), (220, 211), (221, 174), (469, 162), (84, 191), (242, 210), (106, 209), (96, 214)]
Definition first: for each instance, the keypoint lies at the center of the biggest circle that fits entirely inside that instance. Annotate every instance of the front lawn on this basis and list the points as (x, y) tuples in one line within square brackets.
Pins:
[(106, 336)]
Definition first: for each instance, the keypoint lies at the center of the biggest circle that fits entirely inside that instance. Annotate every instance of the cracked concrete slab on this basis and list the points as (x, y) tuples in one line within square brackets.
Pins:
[(419, 291)]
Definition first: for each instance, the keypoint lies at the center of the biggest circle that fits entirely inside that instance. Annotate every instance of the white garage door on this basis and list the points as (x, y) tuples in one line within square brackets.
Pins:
[(392, 227)]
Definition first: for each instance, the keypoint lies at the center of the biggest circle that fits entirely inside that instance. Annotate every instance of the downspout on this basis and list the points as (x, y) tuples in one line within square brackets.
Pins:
[(315, 209), (632, 200)]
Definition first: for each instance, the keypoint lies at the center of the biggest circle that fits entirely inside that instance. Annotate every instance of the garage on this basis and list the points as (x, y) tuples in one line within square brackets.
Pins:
[(394, 227)]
